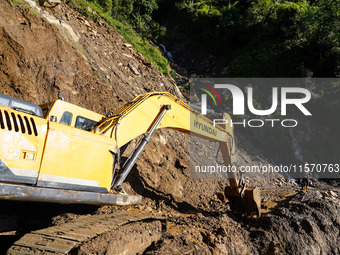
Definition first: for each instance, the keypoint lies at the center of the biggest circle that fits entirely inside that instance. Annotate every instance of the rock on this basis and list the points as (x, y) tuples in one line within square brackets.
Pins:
[(221, 232), (127, 45), (133, 69), (22, 21), (87, 23), (329, 195), (221, 196), (148, 209), (324, 193), (127, 55), (178, 164), (67, 15), (100, 23), (147, 63), (49, 3), (208, 238), (332, 194), (162, 139), (318, 194)]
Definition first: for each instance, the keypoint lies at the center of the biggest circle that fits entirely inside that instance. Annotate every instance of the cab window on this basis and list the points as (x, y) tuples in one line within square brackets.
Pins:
[(66, 118), (85, 123)]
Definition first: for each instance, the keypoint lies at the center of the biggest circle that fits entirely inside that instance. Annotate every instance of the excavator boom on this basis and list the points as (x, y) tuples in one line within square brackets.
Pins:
[(145, 110)]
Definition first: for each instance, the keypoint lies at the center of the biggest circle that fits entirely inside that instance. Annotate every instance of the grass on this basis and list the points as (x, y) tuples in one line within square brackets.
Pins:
[(21, 3), (94, 11), (17, 2), (34, 12), (25, 6), (78, 47)]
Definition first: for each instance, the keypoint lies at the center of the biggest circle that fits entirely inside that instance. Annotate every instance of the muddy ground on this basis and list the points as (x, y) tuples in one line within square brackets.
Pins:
[(95, 68)]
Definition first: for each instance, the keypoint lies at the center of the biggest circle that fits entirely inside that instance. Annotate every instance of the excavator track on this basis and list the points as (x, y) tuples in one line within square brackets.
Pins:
[(133, 232)]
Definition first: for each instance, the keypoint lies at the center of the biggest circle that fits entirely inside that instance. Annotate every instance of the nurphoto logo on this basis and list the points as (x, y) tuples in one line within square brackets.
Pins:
[(296, 96)]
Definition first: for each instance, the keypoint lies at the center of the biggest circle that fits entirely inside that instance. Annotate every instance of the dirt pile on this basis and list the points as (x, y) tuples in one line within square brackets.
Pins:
[(95, 68), (38, 59), (306, 223)]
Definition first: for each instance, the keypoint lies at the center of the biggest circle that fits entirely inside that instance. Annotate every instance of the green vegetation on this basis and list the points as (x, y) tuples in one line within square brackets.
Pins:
[(267, 38), (25, 5), (15, 2), (34, 12), (21, 3), (248, 38), (78, 47), (134, 32), (259, 38)]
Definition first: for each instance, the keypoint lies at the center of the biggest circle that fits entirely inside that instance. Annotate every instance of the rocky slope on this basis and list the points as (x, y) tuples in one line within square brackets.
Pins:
[(46, 51)]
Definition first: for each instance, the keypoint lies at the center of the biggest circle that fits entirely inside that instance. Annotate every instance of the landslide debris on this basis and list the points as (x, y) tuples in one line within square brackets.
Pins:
[(306, 223), (95, 68)]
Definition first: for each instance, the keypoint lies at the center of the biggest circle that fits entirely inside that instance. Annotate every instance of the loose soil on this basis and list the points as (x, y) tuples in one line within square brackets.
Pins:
[(95, 68)]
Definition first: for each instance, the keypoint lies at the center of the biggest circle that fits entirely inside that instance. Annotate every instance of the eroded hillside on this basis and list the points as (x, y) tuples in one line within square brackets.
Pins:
[(46, 51)]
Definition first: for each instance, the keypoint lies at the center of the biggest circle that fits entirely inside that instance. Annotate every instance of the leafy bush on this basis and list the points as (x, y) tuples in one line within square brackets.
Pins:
[(106, 4)]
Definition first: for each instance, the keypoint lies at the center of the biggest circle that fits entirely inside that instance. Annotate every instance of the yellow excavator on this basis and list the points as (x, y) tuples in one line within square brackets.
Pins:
[(62, 153)]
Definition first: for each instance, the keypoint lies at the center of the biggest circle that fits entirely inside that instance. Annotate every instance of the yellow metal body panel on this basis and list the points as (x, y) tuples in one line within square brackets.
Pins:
[(75, 156), (21, 151)]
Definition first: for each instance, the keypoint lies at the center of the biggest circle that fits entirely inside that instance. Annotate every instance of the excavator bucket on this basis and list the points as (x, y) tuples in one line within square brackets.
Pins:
[(249, 201)]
